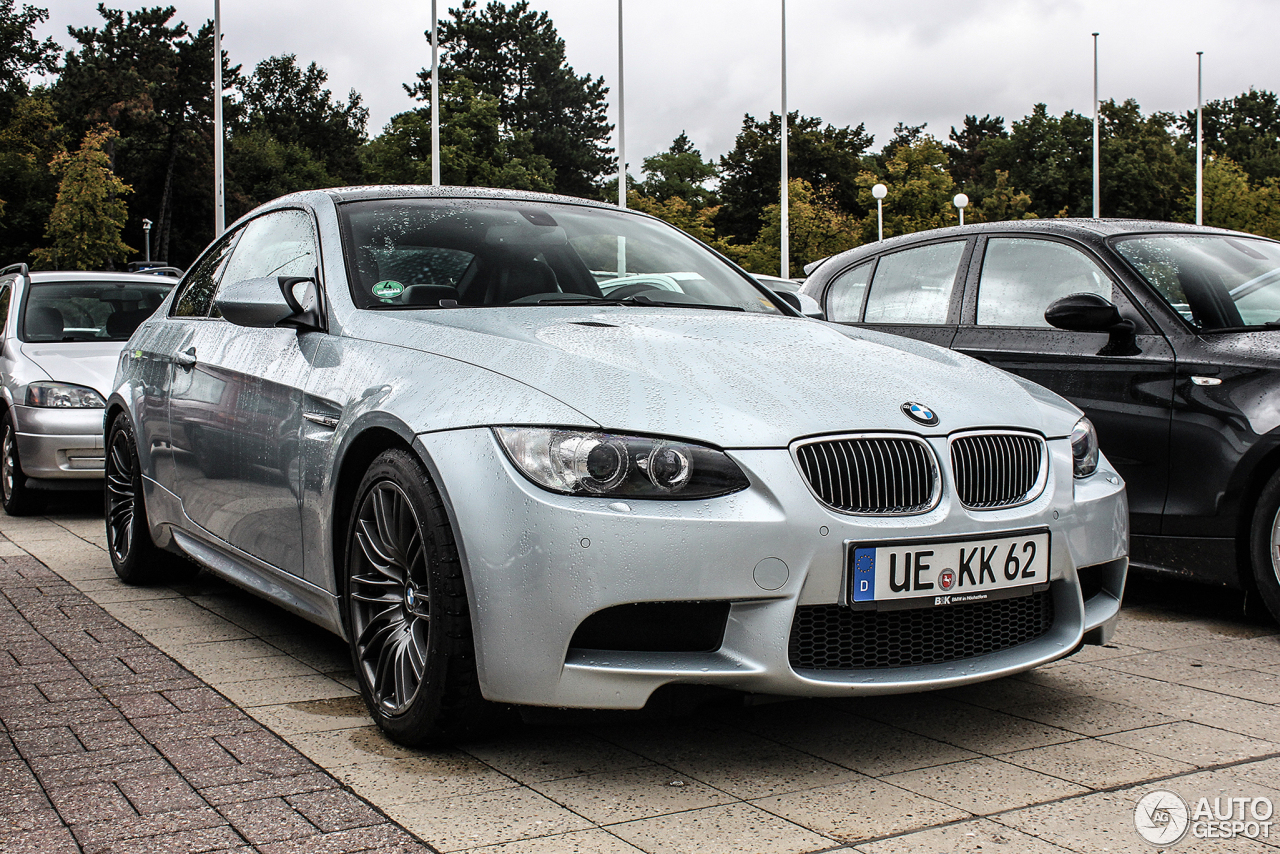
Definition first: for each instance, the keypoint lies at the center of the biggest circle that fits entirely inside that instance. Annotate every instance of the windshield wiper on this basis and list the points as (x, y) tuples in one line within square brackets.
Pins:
[(638, 299)]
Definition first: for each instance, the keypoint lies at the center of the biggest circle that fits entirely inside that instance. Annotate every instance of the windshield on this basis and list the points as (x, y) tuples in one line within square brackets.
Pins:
[(1214, 282), (89, 311), (434, 253)]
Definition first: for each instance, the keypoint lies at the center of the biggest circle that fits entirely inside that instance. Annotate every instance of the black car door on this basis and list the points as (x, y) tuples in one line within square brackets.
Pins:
[(1124, 383), (913, 292)]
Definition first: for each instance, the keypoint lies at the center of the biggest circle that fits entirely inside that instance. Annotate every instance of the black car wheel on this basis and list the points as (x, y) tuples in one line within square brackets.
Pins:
[(135, 557), (1265, 545), (16, 498), (406, 606)]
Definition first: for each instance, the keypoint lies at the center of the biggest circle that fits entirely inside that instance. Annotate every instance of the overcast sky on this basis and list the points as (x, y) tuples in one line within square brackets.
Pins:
[(699, 65)]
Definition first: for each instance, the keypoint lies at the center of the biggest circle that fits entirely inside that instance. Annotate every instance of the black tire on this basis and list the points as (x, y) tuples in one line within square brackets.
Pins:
[(16, 498), (414, 659), (1264, 546), (135, 557)]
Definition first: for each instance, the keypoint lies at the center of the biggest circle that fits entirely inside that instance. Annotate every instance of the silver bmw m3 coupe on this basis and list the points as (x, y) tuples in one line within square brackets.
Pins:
[(533, 450)]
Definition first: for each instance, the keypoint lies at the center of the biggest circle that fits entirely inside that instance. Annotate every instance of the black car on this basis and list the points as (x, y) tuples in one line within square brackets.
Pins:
[(1166, 335)]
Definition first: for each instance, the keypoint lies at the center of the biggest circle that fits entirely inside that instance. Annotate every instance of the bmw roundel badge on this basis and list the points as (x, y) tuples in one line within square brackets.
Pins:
[(920, 412)]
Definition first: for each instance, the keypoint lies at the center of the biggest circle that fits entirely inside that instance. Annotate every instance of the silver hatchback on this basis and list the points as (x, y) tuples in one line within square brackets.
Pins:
[(61, 334)]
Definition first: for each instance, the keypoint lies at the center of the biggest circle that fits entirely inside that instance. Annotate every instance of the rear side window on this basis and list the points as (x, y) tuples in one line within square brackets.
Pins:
[(1022, 276), (914, 286), (844, 299), (196, 296)]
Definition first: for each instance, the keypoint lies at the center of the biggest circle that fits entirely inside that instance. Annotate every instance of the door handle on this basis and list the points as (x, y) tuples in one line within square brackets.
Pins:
[(186, 359)]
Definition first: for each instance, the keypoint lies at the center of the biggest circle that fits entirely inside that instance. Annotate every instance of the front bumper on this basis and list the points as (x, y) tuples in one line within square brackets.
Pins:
[(538, 564), (60, 444)]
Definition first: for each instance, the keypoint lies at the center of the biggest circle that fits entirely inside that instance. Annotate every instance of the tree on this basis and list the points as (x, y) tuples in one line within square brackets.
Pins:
[(293, 106), (697, 222), (824, 156), (90, 212), (516, 57), (920, 191), (1000, 202), (20, 53), (679, 172), (1232, 201), (967, 153), (1143, 176), (474, 148), (818, 228), (1245, 129), (148, 78), (1049, 158), (29, 141)]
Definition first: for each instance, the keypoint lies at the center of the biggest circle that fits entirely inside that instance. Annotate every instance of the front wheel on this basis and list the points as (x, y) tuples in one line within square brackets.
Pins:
[(406, 607), (1264, 545), (15, 496)]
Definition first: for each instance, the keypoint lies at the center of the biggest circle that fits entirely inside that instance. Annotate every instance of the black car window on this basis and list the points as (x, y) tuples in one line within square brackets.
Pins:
[(5, 293), (844, 299), (915, 285), (1213, 281), (196, 296), (281, 243), (1021, 276)]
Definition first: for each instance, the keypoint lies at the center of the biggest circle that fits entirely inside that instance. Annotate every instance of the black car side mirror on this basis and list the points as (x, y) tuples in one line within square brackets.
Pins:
[(1087, 313), (803, 303)]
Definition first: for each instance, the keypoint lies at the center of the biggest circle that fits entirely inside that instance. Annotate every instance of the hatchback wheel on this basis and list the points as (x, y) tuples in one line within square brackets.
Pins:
[(406, 606), (136, 559), (1265, 546), (16, 498)]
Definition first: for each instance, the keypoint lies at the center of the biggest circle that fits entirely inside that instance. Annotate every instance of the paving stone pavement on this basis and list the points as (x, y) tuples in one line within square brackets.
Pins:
[(195, 717)]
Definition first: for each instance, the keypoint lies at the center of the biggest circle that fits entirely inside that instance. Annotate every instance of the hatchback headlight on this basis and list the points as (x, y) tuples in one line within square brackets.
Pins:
[(578, 462), (1084, 448), (63, 396)]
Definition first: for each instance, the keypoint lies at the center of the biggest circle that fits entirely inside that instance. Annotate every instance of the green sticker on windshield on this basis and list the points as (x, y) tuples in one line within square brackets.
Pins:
[(388, 289)]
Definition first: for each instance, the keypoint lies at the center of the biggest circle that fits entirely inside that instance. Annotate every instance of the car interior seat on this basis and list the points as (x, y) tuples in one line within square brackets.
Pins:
[(521, 278), (44, 323)]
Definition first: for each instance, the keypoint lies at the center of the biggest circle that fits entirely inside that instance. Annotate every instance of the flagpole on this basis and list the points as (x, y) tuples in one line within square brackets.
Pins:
[(1199, 137), (219, 184), (622, 121), (786, 213), (1097, 183), (435, 97)]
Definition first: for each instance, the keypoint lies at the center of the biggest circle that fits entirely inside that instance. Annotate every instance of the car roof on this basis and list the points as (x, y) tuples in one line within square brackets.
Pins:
[(423, 191), (1081, 228), (38, 276)]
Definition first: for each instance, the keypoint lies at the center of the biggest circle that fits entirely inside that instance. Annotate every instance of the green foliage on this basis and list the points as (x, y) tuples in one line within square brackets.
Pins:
[(89, 213), (1143, 176), (1245, 129), (1000, 202), (516, 57), (475, 150), (920, 191), (679, 172), (1049, 158), (1231, 200), (822, 155), (967, 153), (29, 141), (20, 53), (818, 228), (697, 222)]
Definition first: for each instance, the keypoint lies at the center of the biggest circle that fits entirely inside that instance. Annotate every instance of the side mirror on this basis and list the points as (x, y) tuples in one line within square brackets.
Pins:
[(1087, 313), (263, 303), (803, 303)]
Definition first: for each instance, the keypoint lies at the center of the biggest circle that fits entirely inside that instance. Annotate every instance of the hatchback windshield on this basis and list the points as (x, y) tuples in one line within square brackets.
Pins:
[(430, 253), (1214, 282), (89, 311)]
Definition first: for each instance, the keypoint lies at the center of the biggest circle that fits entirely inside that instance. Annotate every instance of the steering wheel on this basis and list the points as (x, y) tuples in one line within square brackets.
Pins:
[(630, 290)]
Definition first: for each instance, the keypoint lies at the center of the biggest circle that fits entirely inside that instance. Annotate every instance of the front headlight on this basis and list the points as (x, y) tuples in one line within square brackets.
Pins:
[(578, 462), (63, 396), (1084, 448)]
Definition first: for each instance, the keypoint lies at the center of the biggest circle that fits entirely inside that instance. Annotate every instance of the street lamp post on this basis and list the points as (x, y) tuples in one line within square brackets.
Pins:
[(879, 191), (146, 227), (961, 201)]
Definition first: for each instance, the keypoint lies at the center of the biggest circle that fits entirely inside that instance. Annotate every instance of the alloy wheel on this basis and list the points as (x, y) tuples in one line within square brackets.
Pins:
[(1275, 547), (390, 597), (121, 496), (8, 465)]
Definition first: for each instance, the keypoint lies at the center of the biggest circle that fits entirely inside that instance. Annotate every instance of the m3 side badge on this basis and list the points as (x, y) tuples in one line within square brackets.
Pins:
[(920, 412)]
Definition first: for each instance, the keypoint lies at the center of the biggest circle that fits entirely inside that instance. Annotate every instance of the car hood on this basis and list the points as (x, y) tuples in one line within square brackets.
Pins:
[(87, 363), (733, 379)]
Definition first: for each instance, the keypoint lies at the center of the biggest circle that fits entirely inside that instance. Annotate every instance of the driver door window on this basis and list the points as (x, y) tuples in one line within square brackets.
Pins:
[(1022, 276)]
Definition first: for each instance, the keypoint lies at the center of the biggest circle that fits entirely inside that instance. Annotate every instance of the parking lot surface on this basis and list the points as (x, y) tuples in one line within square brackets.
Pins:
[(280, 756)]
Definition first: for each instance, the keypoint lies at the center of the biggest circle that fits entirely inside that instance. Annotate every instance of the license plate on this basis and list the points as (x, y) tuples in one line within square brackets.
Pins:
[(923, 574)]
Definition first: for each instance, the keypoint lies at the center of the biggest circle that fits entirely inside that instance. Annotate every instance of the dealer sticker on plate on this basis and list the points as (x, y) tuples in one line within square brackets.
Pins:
[(922, 574)]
